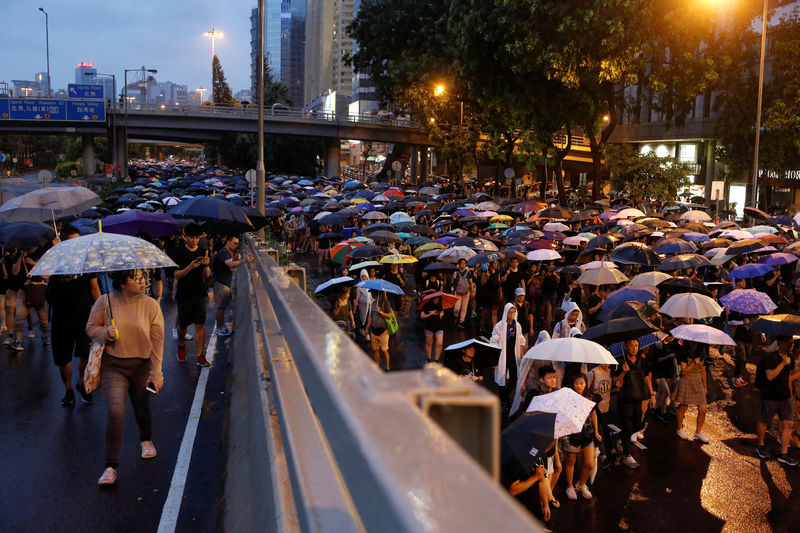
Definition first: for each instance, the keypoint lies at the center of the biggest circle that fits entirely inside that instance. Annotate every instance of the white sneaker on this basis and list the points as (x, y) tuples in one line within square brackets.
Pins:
[(571, 493), (148, 449), (682, 434), (8, 340), (702, 437), (630, 462), (109, 477), (31, 334), (584, 490)]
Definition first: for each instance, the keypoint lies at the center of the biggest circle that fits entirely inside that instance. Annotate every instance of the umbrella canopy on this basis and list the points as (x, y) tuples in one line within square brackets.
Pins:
[(100, 252), (136, 222), (631, 308), (683, 261), (48, 203), (691, 305), (214, 210), (448, 300), (619, 330), (456, 253), (635, 255), (543, 255), (779, 325), (744, 246), (602, 276), (648, 279), (380, 285), (696, 216), (527, 438), (618, 348), (486, 354), (674, 246), (748, 302), (366, 251), (26, 234), (570, 350), (440, 267), (630, 294), (571, 409), (483, 258), (398, 259), (778, 259), (751, 270), (702, 334), (334, 283)]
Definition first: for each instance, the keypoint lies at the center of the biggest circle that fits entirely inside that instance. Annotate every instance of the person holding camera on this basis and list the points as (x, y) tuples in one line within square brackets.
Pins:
[(134, 345)]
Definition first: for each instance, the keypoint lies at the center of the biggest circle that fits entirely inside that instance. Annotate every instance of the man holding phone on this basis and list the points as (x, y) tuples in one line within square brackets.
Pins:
[(191, 294)]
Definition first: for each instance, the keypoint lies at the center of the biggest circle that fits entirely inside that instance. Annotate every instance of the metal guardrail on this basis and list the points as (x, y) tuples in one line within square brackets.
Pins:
[(359, 449)]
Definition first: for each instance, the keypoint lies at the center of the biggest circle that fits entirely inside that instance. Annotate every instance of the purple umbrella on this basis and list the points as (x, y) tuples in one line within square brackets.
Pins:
[(778, 259), (694, 236), (748, 302), (446, 240), (137, 222), (463, 213), (752, 270)]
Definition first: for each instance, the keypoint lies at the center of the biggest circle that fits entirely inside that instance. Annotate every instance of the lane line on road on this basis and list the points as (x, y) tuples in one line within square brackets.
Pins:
[(172, 506)]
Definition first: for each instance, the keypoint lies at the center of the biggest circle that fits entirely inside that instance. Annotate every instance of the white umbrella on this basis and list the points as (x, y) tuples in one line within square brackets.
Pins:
[(571, 409), (702, 334), (485, 245), (737, 234), (48, 204), (555, 226), (575, 240), (602, 276), (488, 206), (649, 279), (400, 216), (696, 216), (629, 212), (599, 264), (321, 214), (456, 253), (571, 350), (691, 305), (543, 255)]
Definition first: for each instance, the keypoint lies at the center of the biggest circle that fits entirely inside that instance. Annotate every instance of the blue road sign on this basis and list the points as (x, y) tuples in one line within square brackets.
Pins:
[(2, 157), (3, 108), (37, 109), (86, 110), (85, 90)]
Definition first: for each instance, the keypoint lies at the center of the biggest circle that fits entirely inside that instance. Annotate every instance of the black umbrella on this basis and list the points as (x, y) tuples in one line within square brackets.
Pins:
[(619, 330), (683, 284), (626, 309), (527, 438), (421, 229), (273, 212), (366, 251), (385, 236), (604, 241), (484, 258), (779, 325), (679, 262), (26, 234), (214, 210), (257, 219), (486, 355), (758, 214), (440, 267), (334, 219), (744, 246), (635, 255)]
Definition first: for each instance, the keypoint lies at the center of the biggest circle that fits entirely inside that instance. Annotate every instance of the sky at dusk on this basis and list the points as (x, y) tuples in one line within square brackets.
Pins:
[(166, 35)]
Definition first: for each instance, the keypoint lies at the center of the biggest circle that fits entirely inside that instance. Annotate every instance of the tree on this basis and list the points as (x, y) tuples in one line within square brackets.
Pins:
[(645, 176), (221, 90), (275, 92)]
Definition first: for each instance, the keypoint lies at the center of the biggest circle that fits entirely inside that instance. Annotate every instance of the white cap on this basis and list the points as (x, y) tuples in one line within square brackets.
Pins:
[(519, 291)]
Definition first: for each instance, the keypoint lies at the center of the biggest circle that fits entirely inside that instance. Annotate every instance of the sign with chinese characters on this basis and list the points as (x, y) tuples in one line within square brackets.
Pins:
[(39, 109), (85, 90)]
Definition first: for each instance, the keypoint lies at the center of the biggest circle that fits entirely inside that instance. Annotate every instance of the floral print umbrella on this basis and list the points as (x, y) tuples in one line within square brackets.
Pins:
[(570, 407), (100, 252)]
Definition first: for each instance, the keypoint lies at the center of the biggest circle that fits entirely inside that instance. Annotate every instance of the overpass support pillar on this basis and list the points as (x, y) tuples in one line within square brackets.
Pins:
[(88, 156), (333, 157), (413, 163), (424, 162), (122, 149)]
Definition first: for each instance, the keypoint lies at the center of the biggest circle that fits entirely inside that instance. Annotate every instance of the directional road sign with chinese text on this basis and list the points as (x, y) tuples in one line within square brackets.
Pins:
[(3, 108), (86, 110), (37, 109), (85, 90)]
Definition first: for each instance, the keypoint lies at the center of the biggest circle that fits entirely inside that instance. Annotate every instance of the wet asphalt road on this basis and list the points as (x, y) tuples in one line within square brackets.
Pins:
[(51, 456), (680, 486)]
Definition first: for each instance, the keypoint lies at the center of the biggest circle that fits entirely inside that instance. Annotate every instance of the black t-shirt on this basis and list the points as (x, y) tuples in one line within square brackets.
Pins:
[(70, 294), (190, 286), (633, 386), (512, 282), (433, 322), (594, 299), (778, 388), (222, 273)]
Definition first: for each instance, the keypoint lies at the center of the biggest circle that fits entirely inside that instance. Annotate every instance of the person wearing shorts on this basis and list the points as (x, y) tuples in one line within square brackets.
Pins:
[(226, 260), (776, 399), (378, 334), (191, 295)]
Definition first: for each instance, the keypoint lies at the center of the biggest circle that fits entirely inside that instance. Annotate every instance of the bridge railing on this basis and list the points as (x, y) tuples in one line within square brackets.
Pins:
[(320, 439)]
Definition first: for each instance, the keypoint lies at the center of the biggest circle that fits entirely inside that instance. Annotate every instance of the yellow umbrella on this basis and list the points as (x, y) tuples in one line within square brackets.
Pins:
[(427, 247), (398, 259), (501, 218), (358, 201)]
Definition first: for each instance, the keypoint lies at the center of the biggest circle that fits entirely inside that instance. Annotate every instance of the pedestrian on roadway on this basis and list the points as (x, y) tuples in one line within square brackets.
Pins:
[(773, 375), (634, 382), (191, 295), (225, 262)]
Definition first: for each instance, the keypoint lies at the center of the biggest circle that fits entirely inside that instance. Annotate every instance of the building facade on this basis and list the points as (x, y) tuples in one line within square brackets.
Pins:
[(326, 44), (85, 72)]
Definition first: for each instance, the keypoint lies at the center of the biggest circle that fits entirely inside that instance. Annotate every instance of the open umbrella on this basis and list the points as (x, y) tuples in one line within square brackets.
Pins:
[(380, 285), (543, 255), (635, 255), (619, 330), (674, 246), (456, 253), (744, 246), (648, 279), (702, 334), (440, 267), (26, 234), (751, 270), (570, 350), (630, 294), (214, 210), (632, 308), (483, 258), (486, 354), (571, 409), (100, 252), (691, 305), (618, 348), (334, 283), (48, 204), (748, 302), (136, 222), (683, 261), (527, 438), (448, 300), (398, 259), (602, 276), (366, 251), (779, 325), (683, 284), (778, 259)]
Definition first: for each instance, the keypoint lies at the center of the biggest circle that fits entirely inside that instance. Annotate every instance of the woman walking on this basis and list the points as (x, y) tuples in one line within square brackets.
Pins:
[(691, 390), (131, 360)]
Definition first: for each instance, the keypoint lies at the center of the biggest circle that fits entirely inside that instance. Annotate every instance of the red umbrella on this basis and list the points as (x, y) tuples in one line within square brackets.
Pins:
[(393, 192), (448, 300)]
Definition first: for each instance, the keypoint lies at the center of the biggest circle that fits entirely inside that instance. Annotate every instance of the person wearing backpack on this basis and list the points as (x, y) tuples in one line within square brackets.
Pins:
[(633, 379), (462, 287), (773, 375)]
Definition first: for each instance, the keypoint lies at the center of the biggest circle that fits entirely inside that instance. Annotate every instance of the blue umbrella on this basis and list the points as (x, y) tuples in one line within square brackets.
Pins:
[(629, 294), (752, 270), (618, 348), (380, 285), (748, 302), (348, 232), (778, 259), (673, 246), (694, 236), (333, 283), (136, 222)]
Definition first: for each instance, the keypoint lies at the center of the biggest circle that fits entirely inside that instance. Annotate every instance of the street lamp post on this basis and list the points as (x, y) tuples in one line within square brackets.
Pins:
[(260, 170), (142, 70), (112, 121), (754, 198), (213, 34), (47, 41)]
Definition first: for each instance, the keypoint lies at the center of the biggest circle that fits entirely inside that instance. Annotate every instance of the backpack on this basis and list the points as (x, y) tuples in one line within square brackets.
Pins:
[(462, 283)]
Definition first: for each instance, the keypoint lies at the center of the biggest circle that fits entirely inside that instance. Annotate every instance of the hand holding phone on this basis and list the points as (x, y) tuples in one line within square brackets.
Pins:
[(151, 387)]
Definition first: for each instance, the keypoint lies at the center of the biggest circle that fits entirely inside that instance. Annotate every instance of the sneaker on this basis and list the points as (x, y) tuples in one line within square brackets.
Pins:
[(584, 490), (86, 397), (224, 332), (761, 451), (701, 437), (8, 340), (787, 459), (31, 334), (201, 361), (181, 353), (188, 336), (45, 340), (630, 462), (571, 493), (682, 434), (16, 345), (474, 315), (148, 449), (174, 334), (108, 478), (69, 398)]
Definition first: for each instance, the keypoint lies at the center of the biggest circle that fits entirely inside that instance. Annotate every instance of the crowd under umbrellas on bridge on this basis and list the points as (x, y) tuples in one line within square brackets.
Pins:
[(575, 316)]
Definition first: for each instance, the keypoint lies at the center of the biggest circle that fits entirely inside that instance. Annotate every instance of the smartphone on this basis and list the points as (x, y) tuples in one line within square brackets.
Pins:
[(150, 387)]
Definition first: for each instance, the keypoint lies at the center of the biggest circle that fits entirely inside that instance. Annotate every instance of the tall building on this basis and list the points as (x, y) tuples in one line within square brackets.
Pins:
[(365, 97), (167, 93), (85, 72), (284, 49), (326, 44)]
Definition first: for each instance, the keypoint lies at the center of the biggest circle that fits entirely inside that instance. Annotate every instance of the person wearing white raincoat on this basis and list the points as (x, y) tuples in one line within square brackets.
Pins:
[(508, 334), (528, 374), (573, 319)]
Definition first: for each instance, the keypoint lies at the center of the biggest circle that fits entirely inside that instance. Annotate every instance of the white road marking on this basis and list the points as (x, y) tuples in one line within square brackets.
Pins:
[(172, 507)]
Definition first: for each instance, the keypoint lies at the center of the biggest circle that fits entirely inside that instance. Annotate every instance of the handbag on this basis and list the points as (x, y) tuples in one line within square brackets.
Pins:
[(91, 376), (391, 323), (35, 293)]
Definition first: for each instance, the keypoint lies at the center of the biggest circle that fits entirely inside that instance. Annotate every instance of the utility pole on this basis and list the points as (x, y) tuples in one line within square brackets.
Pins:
[(260, 171), (47, 41)]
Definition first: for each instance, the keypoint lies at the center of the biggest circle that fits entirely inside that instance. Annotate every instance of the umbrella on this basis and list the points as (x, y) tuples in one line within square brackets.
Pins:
[(214, 210), (575, 240), (630, 294), (440, 267), (456, 253), (571, 409), (599, 264), (632, 308), (602, 276), (629, 212), (682, 261), (100, 252), (683, 284), (384, 236), (778, 259), (691, 305), (486, 354), (748, 302), (757, 214), (649, 279), (702, 334), (780, 325), (696, 216), (674, 246), (483, 258), (48, 204), (619, 330), (398, 259), (543, 255), (527, 438), (751, 270), (618, 348), (366, 251), (448, 300), (635, 255), (570, 350), (136, 222), (555, 226), (26, 234), (380, 285), (744, 246), (333, 283), (341, 251)]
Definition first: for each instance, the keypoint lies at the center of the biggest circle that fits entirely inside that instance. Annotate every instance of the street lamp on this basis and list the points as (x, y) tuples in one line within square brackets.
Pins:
[(213, 34), (142, 70), (112, 121), (202, 94), (754, 198), (47, 40)]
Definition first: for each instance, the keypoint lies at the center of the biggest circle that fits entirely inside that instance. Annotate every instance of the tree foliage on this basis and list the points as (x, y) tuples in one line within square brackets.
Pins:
[(645, 176), (221, 90)]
